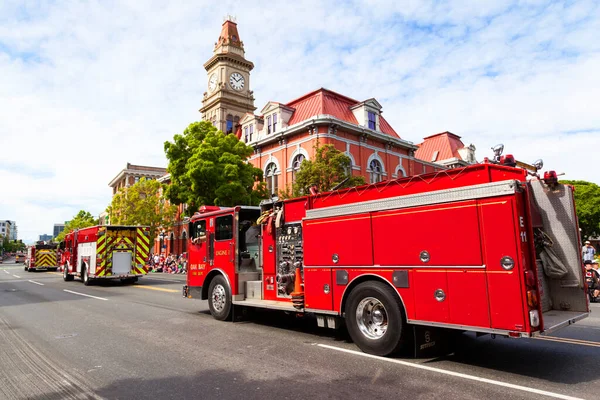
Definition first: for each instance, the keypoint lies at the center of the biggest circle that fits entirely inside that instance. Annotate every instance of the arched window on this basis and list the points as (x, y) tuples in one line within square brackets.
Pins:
[(184, 242), (376, 171), (271, 178), (229, 127), (296, 163), (172, 243)]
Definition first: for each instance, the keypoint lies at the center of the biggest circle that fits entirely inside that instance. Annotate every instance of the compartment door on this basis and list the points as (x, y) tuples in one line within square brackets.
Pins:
[(499, 233)]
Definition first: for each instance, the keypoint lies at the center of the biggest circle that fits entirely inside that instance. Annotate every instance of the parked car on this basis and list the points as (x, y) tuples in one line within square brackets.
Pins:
[(20, 258)]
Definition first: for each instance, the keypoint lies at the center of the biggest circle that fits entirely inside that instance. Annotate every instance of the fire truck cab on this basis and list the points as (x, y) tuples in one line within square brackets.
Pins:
[(485, 248)]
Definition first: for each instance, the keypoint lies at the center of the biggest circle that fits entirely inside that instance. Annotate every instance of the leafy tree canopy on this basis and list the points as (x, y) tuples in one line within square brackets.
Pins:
[(82, 219), (142, 204), (328, 168), (11, 246), (209, 167), (587, 202)]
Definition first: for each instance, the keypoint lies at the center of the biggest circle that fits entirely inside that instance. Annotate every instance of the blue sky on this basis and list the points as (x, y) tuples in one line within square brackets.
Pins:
[(89, 86)]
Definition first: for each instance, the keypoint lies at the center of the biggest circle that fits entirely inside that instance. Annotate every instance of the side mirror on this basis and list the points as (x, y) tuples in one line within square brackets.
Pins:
[(200, 239)]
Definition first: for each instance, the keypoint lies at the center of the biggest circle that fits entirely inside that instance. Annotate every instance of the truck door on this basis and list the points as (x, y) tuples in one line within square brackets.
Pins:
[(198, 253), (224, 248)]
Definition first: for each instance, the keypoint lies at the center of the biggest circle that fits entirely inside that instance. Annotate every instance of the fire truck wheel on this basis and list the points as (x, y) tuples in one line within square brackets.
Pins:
[(374, 318), (85, 276), (66, 276), (219, 298)]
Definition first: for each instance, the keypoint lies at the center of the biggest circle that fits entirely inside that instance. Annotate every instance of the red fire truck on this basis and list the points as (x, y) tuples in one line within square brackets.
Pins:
[(42, 255), (105, 252), (489, 248)]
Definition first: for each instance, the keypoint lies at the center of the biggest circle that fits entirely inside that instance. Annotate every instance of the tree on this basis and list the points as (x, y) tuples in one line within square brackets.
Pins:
[(329, 168), (587, 202), (142, 204), (209, 167), (82, 219)]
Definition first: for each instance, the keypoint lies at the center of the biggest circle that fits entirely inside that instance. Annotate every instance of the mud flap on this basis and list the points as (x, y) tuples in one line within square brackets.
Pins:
[(432, 342)]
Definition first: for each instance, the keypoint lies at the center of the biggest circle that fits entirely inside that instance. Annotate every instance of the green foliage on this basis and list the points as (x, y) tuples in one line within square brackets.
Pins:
[(209, 167), (82, 219), (329, 167), (587, 202), (142, 204), (8, 246)]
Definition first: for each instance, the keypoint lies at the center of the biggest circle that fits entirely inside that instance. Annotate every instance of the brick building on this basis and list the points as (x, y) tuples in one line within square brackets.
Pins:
[(284, 134)]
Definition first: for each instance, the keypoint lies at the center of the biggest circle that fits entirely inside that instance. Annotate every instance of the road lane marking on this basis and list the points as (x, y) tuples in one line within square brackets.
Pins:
[(55, 273), (83, 294), (17, 276), (570, 341), (6, 272), (37, 283), (157, 288), (452, 373)]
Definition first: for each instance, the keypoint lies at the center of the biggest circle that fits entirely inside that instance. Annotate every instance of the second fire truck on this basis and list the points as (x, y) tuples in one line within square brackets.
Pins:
[(488, 248), (42, 256), (106, 252)]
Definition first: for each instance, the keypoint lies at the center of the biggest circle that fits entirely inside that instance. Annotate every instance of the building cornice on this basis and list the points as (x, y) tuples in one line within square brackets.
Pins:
[(326, 119), (234, 58)]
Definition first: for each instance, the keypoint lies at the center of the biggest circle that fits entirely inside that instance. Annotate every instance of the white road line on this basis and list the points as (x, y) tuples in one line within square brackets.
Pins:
[(83, 294), (452, 373), (17, 276), (37, 283), (6, 272)]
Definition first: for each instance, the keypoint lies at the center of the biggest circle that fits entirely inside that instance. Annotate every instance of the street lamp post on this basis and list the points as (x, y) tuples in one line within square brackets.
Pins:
[(162, 240)]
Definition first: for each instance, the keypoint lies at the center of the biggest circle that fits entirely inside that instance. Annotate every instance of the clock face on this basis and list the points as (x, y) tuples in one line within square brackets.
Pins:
[(236, 80), (212, 82)]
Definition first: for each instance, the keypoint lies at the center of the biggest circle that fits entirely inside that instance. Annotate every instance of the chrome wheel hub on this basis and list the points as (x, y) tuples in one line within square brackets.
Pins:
[(371, 318), (218, 298)]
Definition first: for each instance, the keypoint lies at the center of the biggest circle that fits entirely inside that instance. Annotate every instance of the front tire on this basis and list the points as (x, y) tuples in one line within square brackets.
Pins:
[(219, 298), (375, 319), (66, 276)]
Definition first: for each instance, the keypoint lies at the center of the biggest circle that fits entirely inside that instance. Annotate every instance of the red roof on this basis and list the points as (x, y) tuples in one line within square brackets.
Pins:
[(229, 34), (326, 102), (445, 143)]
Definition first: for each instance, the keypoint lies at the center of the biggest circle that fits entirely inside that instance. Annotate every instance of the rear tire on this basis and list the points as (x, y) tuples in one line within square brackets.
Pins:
[(85, 276), (375, 319), (66, 276), (219, 298)]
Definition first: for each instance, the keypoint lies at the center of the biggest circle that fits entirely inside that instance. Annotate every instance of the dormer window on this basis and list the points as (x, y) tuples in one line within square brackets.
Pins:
[(268, 124), (274, 122), (251, 131), (246, 134), (372, 120)]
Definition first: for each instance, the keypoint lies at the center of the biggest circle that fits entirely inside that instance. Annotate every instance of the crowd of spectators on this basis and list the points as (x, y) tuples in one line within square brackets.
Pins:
[(171, 264)]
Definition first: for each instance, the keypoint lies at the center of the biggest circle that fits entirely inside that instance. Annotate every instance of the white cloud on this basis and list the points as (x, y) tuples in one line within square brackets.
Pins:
[(90, 86)]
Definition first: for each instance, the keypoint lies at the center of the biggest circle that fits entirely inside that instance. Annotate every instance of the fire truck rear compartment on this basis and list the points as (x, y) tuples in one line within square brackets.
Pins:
[(121, 262), (563, 300)]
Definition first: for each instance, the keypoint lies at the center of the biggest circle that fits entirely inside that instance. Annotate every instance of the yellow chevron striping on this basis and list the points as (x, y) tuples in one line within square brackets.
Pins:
[(142, 246), (141, 234)]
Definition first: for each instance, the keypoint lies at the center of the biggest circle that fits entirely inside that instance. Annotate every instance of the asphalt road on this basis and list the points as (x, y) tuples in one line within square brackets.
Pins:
[(145, 341)]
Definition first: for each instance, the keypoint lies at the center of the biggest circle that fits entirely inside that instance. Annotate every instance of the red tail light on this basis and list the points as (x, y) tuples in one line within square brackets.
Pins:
[(530, 278), (550, 178), (532, 298)]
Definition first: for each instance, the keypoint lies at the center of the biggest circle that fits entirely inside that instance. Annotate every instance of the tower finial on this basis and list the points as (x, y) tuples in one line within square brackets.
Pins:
[(230, 17)]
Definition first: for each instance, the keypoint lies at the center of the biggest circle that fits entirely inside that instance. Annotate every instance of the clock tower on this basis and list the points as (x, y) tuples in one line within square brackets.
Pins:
[(228, 96)]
